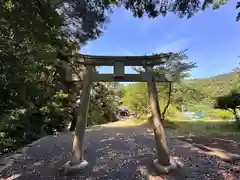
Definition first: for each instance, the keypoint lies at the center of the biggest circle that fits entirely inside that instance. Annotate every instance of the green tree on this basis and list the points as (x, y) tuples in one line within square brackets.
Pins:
[(103, 103), (177, 67), (35, 96), (184, 8), (230, 102), (136, 97), (187, 96)]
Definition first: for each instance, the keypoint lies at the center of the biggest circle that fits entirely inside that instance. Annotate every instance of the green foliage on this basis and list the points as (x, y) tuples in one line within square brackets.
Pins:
[(190, 93), (199, 95), (56, 114), (214, 3), (171, 111), (230, 101), (34, 96), (184, 8), (215, 86), (136, 97), (103, 104), (182, 94), (238, 9), (11, 129), (25, 79), (177, 66)]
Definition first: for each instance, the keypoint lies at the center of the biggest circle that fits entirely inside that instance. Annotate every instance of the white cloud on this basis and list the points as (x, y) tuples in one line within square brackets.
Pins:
[(174, 46)]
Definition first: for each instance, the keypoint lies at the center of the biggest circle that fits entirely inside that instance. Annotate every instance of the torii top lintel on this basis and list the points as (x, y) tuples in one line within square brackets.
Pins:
[(155, 59)]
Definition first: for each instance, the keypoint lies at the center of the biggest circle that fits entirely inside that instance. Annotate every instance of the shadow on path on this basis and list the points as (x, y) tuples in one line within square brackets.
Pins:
[(112, 153)]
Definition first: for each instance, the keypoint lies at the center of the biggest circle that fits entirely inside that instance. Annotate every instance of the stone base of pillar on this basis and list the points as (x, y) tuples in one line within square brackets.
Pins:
[(74, 168), (167, 169)]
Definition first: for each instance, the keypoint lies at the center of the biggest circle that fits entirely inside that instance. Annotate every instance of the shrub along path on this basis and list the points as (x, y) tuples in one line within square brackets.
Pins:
[(115, 153)]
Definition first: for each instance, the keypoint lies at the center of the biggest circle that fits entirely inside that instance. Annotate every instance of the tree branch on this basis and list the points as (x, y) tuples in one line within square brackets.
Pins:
[(169, 100)]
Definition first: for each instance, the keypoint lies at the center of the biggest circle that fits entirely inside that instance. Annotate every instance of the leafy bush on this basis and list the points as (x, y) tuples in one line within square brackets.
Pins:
[(12, 129), (103, 104), (56, 114)]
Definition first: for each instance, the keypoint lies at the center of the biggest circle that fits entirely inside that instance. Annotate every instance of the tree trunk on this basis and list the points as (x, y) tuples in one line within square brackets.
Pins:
[(169, 100), (78, 142), (161, 145), (237, 117)]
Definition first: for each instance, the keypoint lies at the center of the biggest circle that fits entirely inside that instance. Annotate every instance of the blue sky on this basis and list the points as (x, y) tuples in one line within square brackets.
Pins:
[(212, 38)]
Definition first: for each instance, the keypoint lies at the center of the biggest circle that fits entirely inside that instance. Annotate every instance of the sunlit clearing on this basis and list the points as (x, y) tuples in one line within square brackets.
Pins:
[(126, 123)]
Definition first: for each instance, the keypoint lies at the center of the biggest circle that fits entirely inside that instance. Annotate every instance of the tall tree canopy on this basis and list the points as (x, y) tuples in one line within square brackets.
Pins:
[(34, 96), (154, 8)]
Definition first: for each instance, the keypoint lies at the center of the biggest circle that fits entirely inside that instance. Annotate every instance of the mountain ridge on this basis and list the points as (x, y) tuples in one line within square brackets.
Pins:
[(215, 86)]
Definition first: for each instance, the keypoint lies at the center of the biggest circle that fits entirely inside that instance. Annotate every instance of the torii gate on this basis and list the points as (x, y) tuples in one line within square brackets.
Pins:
[(88, 75)]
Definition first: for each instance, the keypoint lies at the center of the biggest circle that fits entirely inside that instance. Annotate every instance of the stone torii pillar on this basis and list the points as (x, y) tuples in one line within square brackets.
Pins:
[(163, 162), (161, 146), (77, 162)]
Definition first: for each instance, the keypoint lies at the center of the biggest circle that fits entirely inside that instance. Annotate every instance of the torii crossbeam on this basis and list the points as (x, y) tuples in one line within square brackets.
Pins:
[(88, 75)]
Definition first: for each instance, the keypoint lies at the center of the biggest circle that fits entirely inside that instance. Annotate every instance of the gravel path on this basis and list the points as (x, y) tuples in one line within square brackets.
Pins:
[(114, 153)]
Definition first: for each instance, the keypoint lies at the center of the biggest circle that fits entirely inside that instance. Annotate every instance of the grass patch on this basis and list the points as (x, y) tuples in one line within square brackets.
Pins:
[(177, 116), (127, 123), (204, 128), (210, 114)]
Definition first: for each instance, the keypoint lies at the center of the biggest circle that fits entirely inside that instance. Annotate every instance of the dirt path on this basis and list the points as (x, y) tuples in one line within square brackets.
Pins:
[(116, 153)]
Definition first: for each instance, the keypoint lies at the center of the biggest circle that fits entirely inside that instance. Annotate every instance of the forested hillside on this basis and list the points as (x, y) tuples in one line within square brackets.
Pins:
[(205, 90), (194, 95), (215, 86)]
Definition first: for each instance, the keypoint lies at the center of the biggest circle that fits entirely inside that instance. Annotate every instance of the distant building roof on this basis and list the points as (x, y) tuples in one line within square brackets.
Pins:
[(123, 108)]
